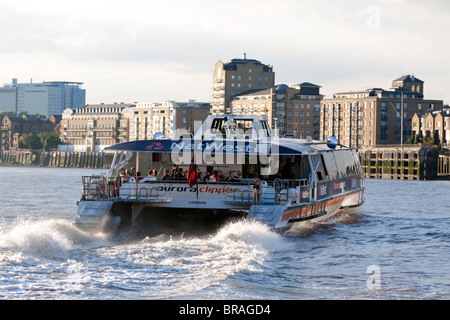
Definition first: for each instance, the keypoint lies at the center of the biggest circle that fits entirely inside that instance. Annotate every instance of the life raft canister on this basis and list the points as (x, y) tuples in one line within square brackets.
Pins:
[(115, 189)]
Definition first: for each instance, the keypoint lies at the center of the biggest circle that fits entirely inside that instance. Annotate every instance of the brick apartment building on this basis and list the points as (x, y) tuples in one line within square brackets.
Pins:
[(375, 116)]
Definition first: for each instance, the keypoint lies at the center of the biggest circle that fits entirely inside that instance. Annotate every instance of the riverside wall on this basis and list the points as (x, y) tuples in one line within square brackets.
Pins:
[(57, 159)]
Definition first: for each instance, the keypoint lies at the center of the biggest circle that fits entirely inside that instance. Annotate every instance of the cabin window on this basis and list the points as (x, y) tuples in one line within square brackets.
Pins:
[(324, 166), (244, 126), (319, 175), (264, 130), (216, 125)]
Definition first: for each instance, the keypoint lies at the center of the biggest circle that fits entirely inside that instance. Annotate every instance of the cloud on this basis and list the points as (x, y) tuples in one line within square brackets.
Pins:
[(152, 50)]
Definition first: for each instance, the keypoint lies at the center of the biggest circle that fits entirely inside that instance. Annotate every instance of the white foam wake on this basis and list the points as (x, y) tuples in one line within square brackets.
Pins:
[(252, 233), (187, 265), (51, 239)]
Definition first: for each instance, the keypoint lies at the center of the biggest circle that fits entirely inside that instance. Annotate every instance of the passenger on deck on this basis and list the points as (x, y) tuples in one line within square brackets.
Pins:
[(167, 175), (208, 177), (174, 171), (220, 175), (180, 175), (235, 176), (151, 175), (256, 182), (216, 176), (124, 175), (250, 171), (138, 176)]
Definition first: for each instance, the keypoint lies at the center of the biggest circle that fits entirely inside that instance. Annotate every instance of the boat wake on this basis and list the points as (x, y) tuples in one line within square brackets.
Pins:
[(184, 265), (50, 239), (163, 266)]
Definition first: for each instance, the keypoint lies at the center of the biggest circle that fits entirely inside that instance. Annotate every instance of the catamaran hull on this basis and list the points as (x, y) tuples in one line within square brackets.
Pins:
[(121, 216), (282, 217)]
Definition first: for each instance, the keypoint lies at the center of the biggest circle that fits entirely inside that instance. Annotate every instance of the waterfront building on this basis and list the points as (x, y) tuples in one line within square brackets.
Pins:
[(167, 118), (13, 127), (375, 116), (236, 76), (94, 127), (431, 124), (291, 110), (45, 98)]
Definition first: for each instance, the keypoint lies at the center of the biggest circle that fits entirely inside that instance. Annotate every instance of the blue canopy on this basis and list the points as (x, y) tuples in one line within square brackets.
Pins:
[(267, 147)]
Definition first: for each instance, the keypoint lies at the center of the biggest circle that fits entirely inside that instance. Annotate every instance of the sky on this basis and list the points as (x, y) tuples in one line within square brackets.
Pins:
[(152, 51)]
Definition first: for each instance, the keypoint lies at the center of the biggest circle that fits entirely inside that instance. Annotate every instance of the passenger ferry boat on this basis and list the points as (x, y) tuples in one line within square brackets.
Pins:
[(235, 167)]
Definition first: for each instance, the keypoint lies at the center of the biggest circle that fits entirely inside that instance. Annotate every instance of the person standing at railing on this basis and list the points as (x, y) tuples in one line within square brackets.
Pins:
[(256, 183)]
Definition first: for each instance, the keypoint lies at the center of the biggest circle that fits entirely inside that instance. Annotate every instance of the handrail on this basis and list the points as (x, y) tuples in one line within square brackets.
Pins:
[(99, 187), (146, 193), (242, 192)]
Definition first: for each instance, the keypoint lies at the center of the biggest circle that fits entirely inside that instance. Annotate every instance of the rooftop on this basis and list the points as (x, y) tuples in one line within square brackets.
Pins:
[(408, 78), (232, 64)]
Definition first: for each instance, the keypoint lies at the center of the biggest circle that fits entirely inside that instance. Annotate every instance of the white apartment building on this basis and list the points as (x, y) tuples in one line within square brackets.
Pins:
[(166, 118), (95, 127)]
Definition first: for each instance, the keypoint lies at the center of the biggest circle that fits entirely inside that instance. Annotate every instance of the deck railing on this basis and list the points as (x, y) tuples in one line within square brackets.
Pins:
[(279, 191)]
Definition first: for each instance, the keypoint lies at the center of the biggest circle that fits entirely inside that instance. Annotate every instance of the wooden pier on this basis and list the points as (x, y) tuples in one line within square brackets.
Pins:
[(396, 162)]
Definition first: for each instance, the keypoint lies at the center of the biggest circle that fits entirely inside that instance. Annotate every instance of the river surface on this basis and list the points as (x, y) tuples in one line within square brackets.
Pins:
[(396, 246)]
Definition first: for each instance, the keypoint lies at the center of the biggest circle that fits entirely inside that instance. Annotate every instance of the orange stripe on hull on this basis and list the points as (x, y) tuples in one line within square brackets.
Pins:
[(311, 210)]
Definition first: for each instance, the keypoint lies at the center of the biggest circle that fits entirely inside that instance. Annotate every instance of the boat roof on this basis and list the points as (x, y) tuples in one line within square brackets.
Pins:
[(274, 146)]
